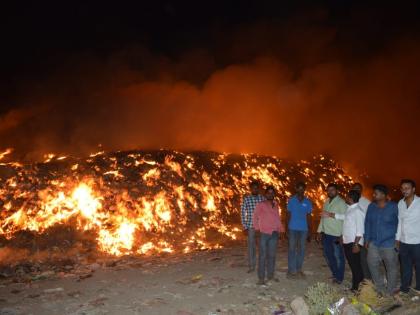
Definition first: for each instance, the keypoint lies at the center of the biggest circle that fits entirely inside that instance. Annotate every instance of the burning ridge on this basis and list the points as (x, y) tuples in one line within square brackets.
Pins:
[(143, 202)]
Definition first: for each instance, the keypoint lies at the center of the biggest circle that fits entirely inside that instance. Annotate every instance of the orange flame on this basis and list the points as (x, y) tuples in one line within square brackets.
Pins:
[(138, 205)]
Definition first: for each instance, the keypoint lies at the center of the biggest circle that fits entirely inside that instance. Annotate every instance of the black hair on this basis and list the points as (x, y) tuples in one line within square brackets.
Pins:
[(300, 184), (332, 185), (270, 188), (358, 184), (408, 181), (354, 195), (382, 188), (254, 183)]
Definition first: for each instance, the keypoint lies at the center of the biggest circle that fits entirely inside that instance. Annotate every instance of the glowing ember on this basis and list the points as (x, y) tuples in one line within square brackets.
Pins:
[(145, 202)]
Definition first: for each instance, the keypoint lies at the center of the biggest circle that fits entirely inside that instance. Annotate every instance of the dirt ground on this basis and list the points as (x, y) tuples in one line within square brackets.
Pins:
[(211, 282)]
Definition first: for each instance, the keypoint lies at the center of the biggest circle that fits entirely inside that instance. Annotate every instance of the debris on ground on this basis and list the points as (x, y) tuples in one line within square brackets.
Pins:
[(299, 306)]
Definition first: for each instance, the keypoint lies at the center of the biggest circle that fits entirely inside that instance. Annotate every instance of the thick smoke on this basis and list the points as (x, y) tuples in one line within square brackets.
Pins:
[(363, 112)]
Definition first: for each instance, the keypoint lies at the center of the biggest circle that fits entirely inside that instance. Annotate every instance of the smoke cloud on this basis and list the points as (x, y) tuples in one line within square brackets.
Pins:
[(296, 101)]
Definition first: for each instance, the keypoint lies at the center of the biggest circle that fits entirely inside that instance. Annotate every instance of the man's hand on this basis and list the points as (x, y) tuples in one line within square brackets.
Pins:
[(355, 249), (397, 245), (326, 214), (366, 245), (318, 237)]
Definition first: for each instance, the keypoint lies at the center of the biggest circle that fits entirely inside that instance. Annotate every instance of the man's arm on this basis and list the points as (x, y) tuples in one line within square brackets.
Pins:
[(399, 227), (319, 230), (244, 210), (256, 218), (320, 225), (360, 226), (398, 235), (281, 226), (339, 216), (288, 214), (338, 212), (367, 227)]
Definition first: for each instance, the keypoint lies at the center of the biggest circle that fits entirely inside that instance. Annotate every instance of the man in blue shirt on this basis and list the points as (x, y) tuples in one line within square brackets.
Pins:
[(299, 208), (380, 229), (247, 212)]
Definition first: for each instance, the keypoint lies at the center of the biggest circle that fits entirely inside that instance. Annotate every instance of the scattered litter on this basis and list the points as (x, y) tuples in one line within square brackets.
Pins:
[(320, 296), (55, 290), (299, 306), (196, 278), (100, 301)]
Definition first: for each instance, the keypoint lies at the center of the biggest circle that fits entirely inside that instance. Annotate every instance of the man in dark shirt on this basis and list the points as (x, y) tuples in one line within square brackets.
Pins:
[(247, 212), (380, 229)]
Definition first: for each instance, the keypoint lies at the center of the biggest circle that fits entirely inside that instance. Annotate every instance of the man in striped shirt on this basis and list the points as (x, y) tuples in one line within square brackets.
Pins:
[(247, 211)]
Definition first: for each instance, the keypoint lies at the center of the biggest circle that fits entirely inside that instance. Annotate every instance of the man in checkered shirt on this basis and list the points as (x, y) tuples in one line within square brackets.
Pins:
[(247, 210)]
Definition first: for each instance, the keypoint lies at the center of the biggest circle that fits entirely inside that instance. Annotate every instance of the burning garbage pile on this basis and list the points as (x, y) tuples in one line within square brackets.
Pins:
[(141, 202)]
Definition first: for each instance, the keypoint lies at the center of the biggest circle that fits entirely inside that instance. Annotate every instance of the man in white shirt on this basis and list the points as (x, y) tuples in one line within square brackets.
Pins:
[(364, 204), (353, 230), (363, 201), (408, 235)]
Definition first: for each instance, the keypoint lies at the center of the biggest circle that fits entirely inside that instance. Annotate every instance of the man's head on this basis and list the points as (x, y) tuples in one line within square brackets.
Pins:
[(332, 190), (380, 192), (408, 188), (270, 193), (358, 187), (353, 197), (300, 188), (254, 187)]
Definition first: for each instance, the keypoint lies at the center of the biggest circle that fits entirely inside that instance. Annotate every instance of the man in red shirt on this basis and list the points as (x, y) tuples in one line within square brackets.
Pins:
[(266, 220)]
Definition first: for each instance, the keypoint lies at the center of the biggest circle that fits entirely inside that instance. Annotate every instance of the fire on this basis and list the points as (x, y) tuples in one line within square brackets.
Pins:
[(5, 152), (147, 202)]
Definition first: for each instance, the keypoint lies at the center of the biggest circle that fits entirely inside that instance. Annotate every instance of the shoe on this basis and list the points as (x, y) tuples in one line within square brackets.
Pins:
[(301, 274), (335, 281), (250, 270), (260, 282), (415, 291), (291, 275)]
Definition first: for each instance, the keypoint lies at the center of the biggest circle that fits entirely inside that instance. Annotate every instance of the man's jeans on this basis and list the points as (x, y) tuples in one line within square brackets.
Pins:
[(375, 257), (267, 255), (363, 261), (297, 241), (333, 252), (409, 256), (252, 249), (355, 265)]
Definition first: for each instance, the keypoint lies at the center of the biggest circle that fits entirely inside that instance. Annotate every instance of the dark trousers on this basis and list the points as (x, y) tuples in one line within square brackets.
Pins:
[(409, 257), (354, 261), (297, 242), (333, 252), (267, 255), (363, 260), (252, 249)]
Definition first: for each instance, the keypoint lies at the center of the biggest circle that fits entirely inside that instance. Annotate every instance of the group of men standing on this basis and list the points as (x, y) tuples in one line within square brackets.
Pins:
[(367, 234)]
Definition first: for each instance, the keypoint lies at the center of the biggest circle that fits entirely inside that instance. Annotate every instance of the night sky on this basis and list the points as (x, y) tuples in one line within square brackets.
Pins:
[(291, 78)]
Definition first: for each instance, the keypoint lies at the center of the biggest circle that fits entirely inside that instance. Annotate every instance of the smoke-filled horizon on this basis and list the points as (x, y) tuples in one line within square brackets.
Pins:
[(291, 90)]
